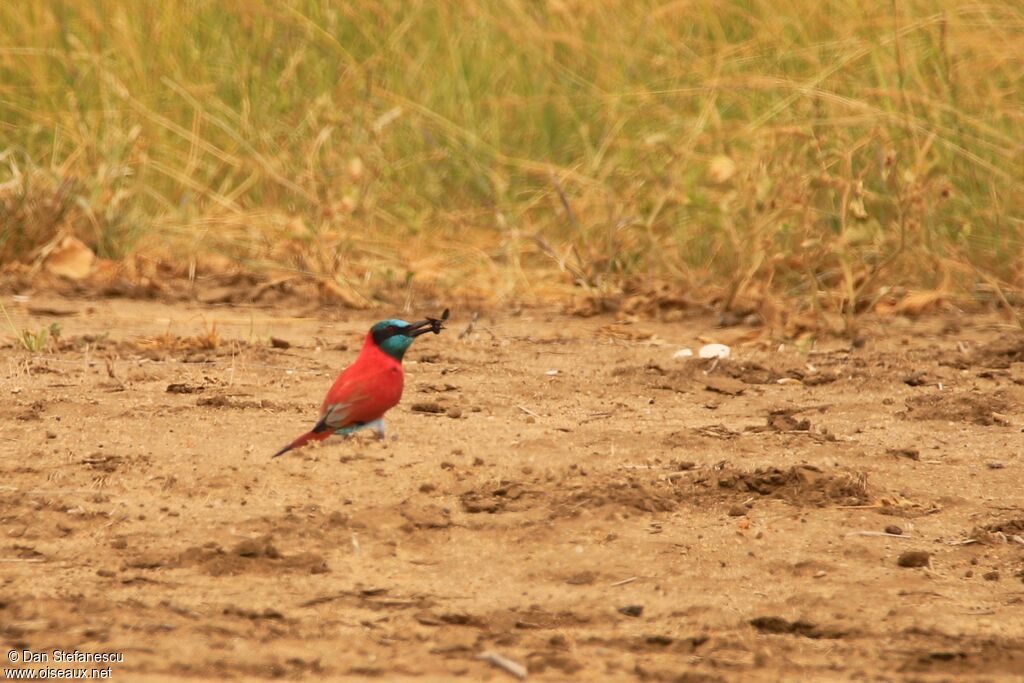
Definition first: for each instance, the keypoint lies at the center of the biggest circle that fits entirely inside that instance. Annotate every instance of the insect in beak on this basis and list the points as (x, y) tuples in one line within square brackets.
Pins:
[(434, 325)]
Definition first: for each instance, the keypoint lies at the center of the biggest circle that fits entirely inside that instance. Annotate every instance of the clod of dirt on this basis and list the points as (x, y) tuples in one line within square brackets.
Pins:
[(33, 411), (800, 485), (725, 385), (980, 409), (584, 578), (256, 555), (914, 558), (214, 402), (783, 420), (750, 372), (425, 515), (222, 401), (105, 462), (820, 378), (256, 547), (634, 493), (182, 388), (245, 613), (427, 407), (437, 388), (737, 511), (909, 453), (145, 561), (998, 532), (894, 530), (1001, 352), (916, 379), (540, 662), (780, 626), (492, 499)]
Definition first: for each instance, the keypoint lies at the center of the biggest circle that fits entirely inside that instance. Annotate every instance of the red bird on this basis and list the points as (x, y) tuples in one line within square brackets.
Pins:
[(371, 386)]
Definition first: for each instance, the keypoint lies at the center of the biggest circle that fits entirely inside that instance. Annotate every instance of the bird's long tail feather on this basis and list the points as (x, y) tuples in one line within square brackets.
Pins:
[(320, 432)]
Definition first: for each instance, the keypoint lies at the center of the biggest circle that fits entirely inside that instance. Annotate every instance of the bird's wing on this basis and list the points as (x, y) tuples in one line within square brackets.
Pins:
[(348, 400), (335, 415)]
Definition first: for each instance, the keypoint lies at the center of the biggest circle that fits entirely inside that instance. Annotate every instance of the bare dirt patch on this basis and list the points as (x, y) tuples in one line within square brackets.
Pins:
[(560, 491), (984, 409)]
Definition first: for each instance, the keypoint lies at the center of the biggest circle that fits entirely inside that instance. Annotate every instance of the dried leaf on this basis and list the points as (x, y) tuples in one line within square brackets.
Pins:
[(71, 259)]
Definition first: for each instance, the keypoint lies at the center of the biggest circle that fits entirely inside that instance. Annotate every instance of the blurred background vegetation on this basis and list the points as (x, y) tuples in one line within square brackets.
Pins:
[(831, 155)]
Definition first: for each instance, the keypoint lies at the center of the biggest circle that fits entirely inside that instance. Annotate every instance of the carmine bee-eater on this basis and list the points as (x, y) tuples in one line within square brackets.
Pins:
[(371, 386)]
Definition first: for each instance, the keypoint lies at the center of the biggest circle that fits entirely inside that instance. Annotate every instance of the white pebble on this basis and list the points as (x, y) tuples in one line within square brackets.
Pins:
[(714, 351)]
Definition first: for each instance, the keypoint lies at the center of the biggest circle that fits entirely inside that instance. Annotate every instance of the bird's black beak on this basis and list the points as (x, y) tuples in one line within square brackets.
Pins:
[(418, 328), (434, 325)]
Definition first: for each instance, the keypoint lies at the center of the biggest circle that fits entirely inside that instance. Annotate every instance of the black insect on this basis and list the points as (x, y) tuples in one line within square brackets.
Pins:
[(437, 324)]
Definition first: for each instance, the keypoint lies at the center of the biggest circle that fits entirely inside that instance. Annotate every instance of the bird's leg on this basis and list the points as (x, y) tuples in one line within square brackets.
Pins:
[(347, 432), (378, 427)]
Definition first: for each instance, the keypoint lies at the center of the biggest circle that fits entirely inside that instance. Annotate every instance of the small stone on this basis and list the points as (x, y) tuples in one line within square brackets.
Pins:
[(51, 435), (584, 578), (995, 465), (909, 453), (279, 343), (737, 511), (914, 558), (916, 379), (894, 530), (632, 610), (991, 576), (427, 488), (337, 518), (454, 413), (106, 573), (119, 544), (427, 407), (714, 351)]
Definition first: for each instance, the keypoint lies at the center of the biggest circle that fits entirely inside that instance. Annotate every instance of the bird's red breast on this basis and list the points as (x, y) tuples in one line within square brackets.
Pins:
[(365, 390)]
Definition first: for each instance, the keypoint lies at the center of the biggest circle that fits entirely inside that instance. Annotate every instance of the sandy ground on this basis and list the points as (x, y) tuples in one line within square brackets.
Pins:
[(561, 491)]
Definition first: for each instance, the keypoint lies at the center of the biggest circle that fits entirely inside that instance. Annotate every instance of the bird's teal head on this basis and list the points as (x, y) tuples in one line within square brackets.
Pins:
[(394, 337)]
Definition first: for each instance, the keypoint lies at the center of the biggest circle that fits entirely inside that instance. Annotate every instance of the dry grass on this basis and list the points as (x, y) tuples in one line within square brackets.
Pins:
[(824, 154)]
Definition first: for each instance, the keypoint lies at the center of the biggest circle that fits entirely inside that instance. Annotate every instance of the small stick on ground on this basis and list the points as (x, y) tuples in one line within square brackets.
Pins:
[(495, 659), (879, 533), (624, 581), (527, 411), (21, 559)]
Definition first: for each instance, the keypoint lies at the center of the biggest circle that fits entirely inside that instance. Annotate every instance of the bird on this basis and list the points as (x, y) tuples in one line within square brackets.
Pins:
[(372, 385)]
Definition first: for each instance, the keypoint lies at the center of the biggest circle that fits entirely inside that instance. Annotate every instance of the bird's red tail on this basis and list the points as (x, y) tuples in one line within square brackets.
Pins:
[(303, 440)]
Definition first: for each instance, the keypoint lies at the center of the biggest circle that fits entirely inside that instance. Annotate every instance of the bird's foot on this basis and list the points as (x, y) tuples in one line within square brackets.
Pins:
[(378, 429)]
